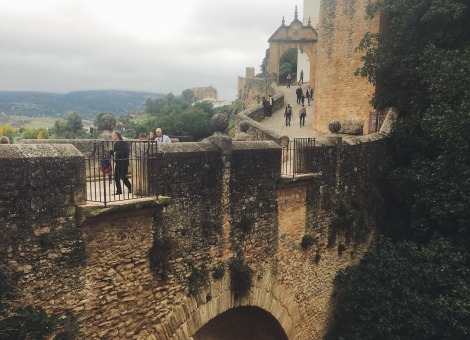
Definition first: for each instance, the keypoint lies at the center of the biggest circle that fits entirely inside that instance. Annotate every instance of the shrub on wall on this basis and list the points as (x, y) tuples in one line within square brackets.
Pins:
[(241, 278), (246, 224), (218, 272), (351, 221), (159, 255), (307, 241), (197, 280)]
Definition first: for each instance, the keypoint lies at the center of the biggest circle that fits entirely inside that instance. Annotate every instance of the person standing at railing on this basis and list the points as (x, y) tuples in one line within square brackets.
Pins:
[(161, 138), (120, 152)]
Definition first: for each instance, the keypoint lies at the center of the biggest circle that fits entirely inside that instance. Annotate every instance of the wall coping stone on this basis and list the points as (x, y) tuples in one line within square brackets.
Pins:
[(38, 151), (286, 179), (98, 210)]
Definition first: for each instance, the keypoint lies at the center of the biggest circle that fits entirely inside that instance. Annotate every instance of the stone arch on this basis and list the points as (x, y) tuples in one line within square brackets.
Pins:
[(188, 318), (297, 36)]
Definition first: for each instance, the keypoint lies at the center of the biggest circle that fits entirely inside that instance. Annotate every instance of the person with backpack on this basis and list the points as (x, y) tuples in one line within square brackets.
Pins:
[(288, 114)]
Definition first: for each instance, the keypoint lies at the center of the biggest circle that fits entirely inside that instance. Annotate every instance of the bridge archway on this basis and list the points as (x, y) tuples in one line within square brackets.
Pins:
[(244, 322), (267, 300), (297, 36)]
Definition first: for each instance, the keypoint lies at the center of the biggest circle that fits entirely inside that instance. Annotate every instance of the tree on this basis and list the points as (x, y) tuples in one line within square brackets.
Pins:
[(74, 123), (8, 131), (105, 121), (188, 95), (288, 64), (420, 64), (32, 133), (403, 291)]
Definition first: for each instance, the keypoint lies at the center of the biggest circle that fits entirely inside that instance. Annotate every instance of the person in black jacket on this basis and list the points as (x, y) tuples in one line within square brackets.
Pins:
[(121, 162)]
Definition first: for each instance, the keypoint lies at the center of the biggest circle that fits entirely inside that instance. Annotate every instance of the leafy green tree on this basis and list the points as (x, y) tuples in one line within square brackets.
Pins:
[(188, 95), (288, 65), (8, 131), (421, 65), (32, 133), (404, 291), (74, 123), (105, 121), (177, 117)]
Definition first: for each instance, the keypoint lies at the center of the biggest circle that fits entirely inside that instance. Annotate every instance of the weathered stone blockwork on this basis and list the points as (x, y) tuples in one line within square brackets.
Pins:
[(41, 186), (339, 95)]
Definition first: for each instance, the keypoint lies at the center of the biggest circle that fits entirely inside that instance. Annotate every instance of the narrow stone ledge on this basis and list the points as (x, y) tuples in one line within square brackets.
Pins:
[(91, 210), (286, 179)]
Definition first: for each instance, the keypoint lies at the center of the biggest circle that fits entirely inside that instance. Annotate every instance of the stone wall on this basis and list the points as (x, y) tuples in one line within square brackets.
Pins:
[(339, 95), (345, 170), (39, 238)]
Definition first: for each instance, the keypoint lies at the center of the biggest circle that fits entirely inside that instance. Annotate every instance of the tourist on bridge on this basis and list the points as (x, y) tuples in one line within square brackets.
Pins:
[(161, 138), (299, 94), (289, 80), (271, 105), (288, 114), (302, 114), (301, 79), (120, 152), (265, 107), (309, 94)]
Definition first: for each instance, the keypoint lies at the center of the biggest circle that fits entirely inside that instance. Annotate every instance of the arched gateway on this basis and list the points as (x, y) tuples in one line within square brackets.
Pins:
[(298, 36)]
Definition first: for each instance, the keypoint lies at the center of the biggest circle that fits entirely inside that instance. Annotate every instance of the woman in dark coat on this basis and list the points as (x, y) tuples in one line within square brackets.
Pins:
[(121, 162)]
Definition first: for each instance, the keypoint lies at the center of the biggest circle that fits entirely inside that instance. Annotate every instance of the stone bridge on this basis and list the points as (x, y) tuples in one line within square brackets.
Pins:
[(230, 249), (165, 267)]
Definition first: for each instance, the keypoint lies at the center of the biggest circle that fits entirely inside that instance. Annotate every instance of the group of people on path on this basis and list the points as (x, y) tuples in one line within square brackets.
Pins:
[(120, 153), (288, 115), (160, 137), (268, 106), (301, 96), (301, 79)]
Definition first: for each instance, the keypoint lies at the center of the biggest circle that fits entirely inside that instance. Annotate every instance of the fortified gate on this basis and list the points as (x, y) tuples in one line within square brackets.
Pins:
[(295, 35)]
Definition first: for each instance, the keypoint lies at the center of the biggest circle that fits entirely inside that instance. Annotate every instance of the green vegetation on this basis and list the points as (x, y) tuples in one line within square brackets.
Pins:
[(71, 128), (288, 65), (414, 282), (160, 253), (404, 291), (8, 131), (197, 280), (29, 323), (105, 121), (307, 241), (241, 277), (218, 272)]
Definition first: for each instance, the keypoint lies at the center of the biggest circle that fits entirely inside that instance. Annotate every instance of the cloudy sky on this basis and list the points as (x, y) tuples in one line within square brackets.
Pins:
[(138, 45)]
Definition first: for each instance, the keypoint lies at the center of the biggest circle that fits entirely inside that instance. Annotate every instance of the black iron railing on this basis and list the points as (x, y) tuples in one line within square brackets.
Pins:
[(298, 157), (128, 165)]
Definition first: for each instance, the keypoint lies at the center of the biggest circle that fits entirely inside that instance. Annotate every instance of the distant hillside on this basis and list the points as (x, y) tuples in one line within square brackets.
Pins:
[(86, 103)]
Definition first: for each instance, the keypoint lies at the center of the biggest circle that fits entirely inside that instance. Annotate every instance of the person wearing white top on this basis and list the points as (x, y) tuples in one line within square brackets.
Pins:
[(161, 138)]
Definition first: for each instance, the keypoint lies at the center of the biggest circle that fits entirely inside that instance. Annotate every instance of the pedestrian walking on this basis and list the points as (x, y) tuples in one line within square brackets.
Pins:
[(288, 114), (302, 114)]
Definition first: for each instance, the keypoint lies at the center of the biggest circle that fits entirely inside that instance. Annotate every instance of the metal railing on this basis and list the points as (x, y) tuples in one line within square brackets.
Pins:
[(130, 165), (298, 157)]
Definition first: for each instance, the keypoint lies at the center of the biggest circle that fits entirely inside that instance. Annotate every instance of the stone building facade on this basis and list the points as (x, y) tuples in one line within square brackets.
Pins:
[(204, 93)]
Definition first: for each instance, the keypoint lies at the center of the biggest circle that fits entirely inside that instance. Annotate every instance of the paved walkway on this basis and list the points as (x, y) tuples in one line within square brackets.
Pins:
[(277, 121)]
